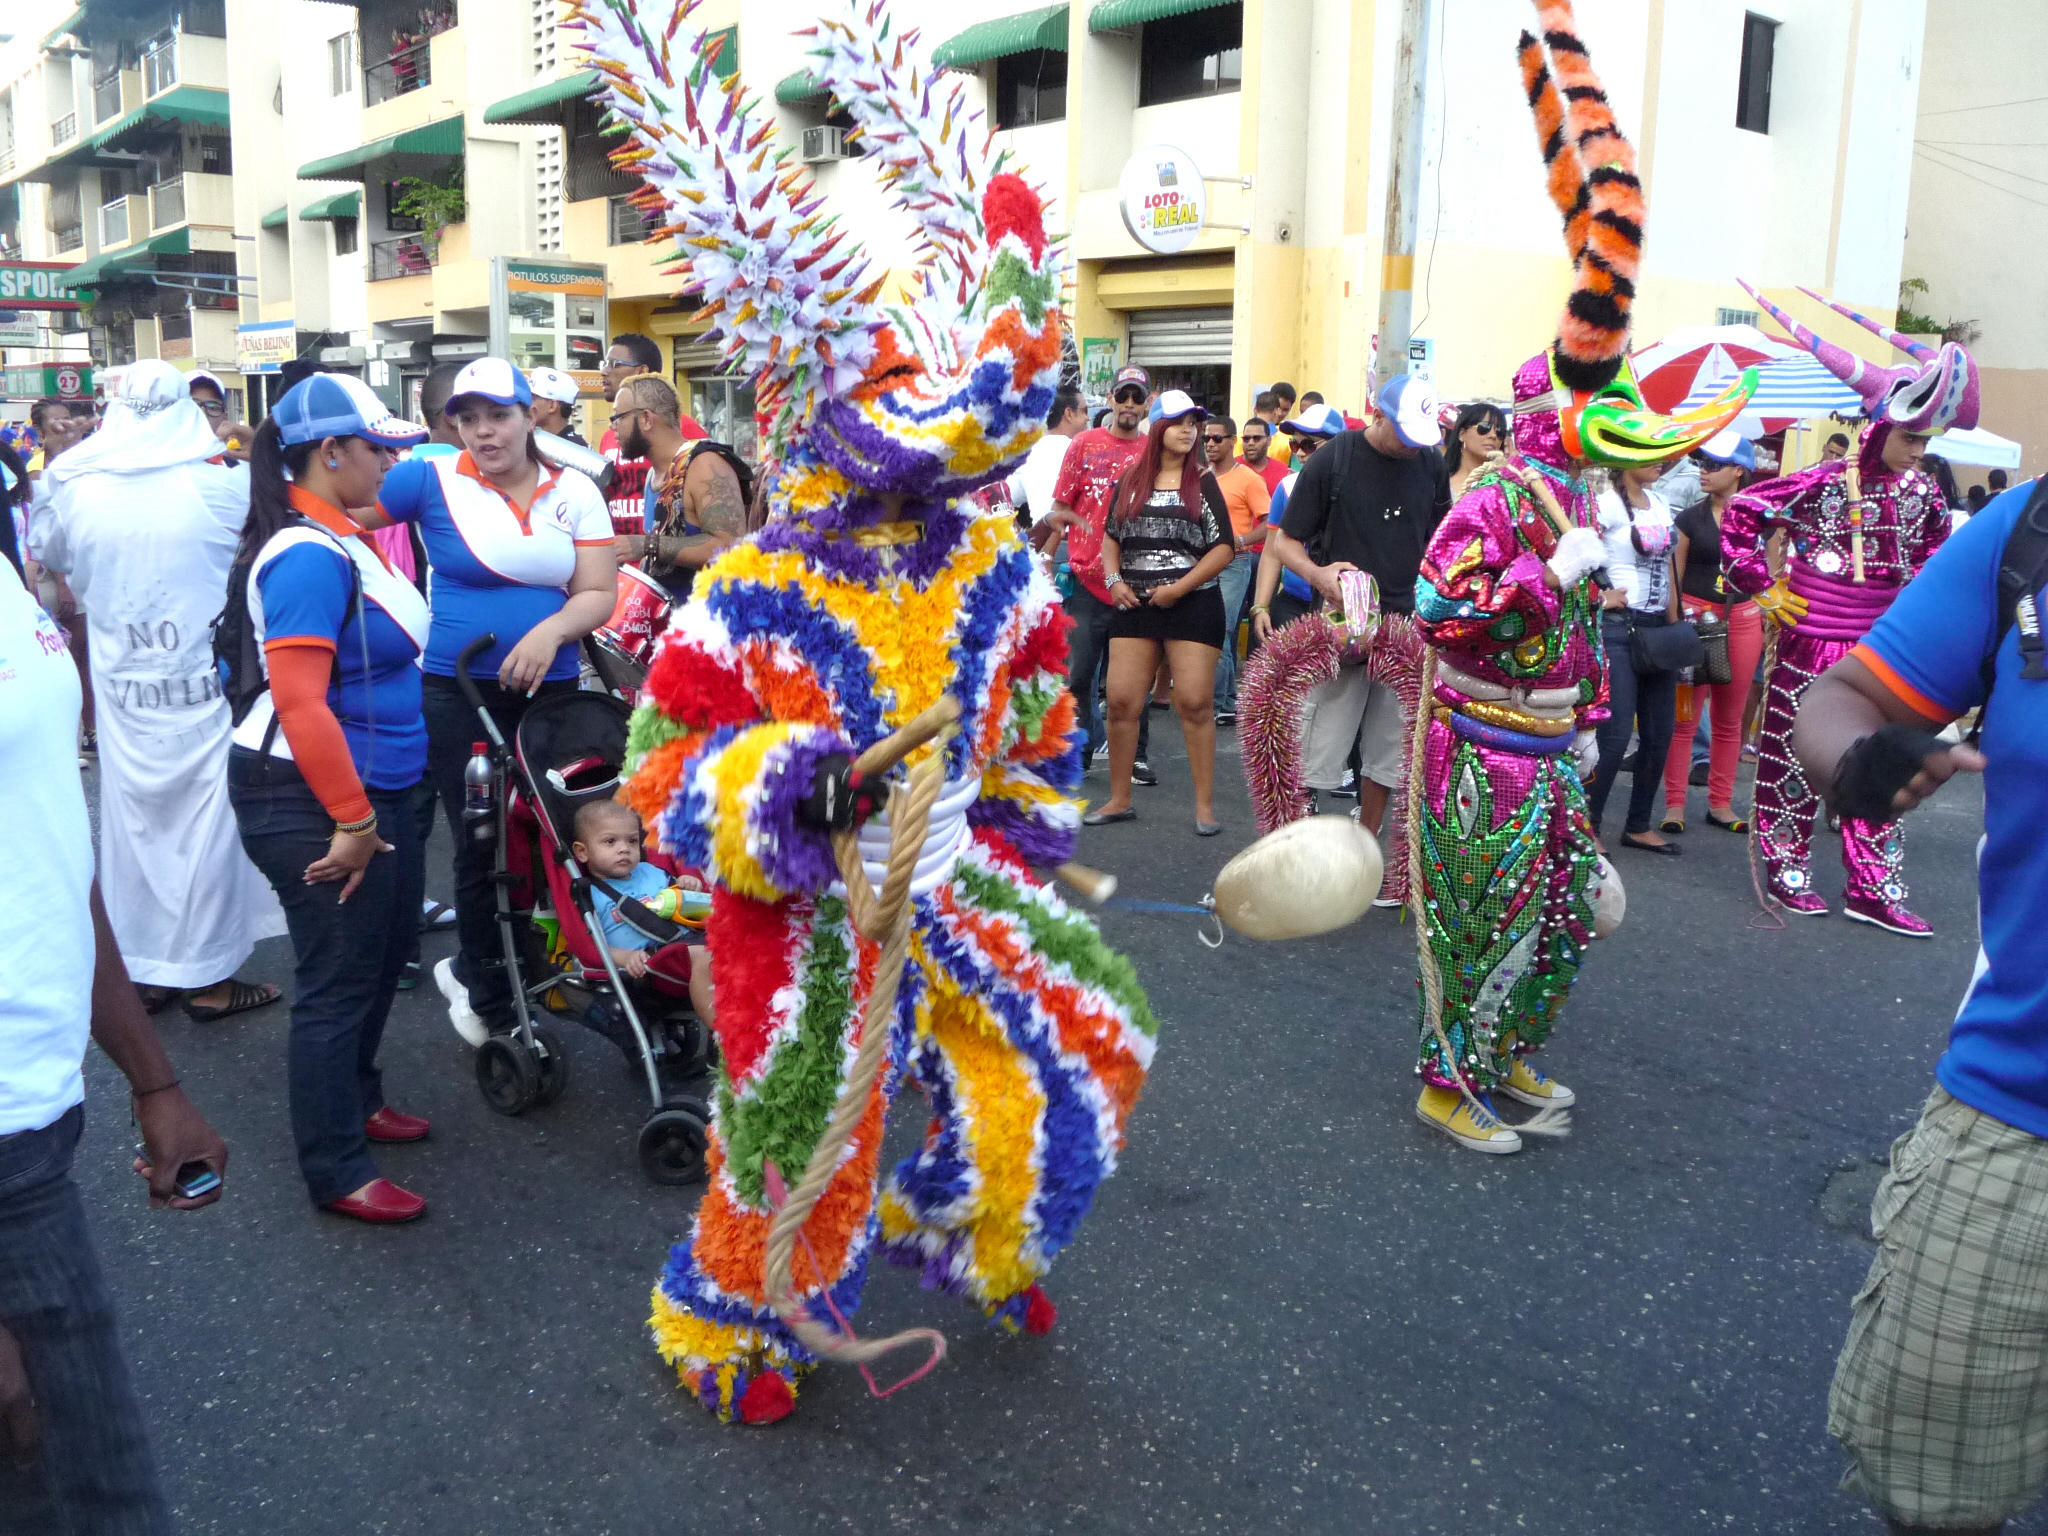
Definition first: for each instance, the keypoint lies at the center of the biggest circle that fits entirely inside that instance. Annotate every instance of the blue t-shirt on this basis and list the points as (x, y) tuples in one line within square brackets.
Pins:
[(646, 882), (495, 570), (1928, 648), (1290, 583), (301, 588)]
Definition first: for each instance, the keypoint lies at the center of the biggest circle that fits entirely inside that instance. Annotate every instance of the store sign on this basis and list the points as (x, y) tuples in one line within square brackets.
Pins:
[(1098, 365), (66, 381), (266, 346), (1163, 199), (20, 327), (551, 314), (36, 285)]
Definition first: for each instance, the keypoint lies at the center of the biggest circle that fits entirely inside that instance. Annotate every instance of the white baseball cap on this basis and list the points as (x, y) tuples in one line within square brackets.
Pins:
[(1319, 420), (1410, 405), (1174, 404), (553, 384), (493, 379)]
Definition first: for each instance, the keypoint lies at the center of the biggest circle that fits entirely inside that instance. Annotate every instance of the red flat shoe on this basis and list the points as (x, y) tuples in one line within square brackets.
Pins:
[(381, 1201), (389, 1125)]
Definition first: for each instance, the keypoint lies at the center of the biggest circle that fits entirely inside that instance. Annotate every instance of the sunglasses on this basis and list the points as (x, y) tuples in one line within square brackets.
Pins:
[(617, 362), (1129, 397), (1215, 437), (1485, 429), (214, 408)]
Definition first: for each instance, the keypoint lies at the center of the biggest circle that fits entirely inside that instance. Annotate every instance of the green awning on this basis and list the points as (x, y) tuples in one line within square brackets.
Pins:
[(1045, 27), (547, 102), (800, 88), (69, 23), (277, 218), (181, 104), (1122, 15), (89, 274), (343, 205), (442, 138)]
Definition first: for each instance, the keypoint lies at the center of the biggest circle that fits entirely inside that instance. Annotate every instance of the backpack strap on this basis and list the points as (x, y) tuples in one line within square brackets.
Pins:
[(2022, 571)]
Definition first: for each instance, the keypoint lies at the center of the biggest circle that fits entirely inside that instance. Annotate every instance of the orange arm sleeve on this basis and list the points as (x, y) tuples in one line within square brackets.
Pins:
[(300, 671)]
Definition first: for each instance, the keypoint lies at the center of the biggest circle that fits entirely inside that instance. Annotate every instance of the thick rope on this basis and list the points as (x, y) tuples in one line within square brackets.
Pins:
[(882, 918)]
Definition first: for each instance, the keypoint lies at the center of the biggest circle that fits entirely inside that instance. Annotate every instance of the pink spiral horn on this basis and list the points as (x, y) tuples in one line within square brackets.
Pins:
[(1918, 350), (1867, 379)]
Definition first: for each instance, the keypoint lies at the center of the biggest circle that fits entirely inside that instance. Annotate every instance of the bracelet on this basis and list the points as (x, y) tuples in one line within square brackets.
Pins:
[(651, 547), (361, 828), (143, 1093), (1265, 608), (1118, 580)]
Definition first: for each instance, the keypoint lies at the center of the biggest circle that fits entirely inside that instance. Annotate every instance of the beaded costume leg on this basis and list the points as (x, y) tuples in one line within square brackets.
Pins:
[(792, 978), (1876, 861), (1032, 1043), (1507, 856), (1785, 803)]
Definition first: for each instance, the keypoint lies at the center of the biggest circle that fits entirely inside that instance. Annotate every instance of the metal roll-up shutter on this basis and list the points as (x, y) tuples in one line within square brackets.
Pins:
[(1180, 338)]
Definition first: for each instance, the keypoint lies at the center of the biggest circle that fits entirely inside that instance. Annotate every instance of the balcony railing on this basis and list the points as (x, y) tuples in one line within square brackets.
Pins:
[(106, 99), (114, 222), (64, 130), (406, 70), (68, 239), (403, 256), (628, 225), (167, 203), (160, 64)]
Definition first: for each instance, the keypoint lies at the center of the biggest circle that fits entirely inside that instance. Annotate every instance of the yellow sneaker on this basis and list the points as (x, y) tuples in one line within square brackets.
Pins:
[(1467, 1124), (1530, 1086)]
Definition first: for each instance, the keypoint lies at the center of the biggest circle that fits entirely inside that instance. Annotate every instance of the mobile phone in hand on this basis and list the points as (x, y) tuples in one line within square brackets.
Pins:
[(194, 1179)]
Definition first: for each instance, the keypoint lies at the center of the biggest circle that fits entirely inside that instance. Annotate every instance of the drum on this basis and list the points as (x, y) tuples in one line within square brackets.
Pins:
[(638, 617)]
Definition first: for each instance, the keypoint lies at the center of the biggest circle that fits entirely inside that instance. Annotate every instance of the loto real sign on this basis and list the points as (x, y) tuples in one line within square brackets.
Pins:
[(1162, 198), (36, 285)]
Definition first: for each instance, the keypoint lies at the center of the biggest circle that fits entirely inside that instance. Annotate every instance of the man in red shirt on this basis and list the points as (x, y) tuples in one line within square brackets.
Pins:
[(1080, 505)]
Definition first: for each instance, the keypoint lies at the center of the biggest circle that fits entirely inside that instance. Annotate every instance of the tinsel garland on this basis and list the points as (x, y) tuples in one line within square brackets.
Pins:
[(1277, 681)]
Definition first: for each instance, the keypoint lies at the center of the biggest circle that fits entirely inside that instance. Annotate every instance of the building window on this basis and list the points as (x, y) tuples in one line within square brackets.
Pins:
[(344, 237), (1198, 54), (1727, 316), (1753, 96), (395, 221), (217, 157), (1031, 88), (204, 18), (341, 64)]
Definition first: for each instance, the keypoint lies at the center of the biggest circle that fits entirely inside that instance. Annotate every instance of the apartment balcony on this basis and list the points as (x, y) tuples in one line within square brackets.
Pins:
[(117, 94), (421, 82), (123, 220), (205, 334), (194, 198), (179, 58), (411, 276), (403, 256), (63, 130), (68, 239)]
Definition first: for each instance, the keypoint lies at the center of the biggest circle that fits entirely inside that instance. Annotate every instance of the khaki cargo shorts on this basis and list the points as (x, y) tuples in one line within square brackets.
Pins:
[(1941, 1394), (1352, 708)]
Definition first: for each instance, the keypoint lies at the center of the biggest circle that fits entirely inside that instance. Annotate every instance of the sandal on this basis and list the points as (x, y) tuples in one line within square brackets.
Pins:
[(1671, 823), (1733, 824), (242, 996), (435, 915), (157, 999)]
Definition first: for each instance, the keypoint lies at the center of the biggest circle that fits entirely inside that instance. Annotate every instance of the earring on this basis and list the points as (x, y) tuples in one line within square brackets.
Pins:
[(334, 463)]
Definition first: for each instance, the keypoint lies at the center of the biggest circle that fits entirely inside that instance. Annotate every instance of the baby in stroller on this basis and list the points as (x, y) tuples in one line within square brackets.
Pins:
[(607, 843)]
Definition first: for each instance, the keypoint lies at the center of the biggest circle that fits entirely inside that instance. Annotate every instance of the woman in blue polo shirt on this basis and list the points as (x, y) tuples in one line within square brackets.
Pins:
[(519, 550), (323, 765)]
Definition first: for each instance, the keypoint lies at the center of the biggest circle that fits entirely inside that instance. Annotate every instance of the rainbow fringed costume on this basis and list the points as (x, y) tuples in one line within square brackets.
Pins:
[(1508, 869), (870, 594)]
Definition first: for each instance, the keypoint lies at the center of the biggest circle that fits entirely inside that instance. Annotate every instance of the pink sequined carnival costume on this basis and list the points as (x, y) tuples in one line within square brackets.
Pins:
[(1858, 531)]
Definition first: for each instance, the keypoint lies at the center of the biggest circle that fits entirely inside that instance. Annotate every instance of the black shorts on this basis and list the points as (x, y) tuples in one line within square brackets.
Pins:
[(1198, 617)]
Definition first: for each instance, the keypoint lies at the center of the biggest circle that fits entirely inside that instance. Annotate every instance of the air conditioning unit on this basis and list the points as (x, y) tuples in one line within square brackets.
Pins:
[(824, 144)]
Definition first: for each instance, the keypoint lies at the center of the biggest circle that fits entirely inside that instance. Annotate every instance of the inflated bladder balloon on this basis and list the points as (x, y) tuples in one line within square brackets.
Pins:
[(1305, 878), (1610, 901)]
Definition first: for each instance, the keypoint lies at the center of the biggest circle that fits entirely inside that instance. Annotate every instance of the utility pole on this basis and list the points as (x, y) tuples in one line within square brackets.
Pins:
[(1404, 191)]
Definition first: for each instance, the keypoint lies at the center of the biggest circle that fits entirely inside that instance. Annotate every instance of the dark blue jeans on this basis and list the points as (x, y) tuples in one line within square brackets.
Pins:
[(1644, 703), (95, 1476), (346, 959), (1088, 669)]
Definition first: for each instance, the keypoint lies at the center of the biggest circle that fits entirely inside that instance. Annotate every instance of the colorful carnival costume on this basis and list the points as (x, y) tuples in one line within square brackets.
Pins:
[(1508, 880), (1858, 533), (872, 593)]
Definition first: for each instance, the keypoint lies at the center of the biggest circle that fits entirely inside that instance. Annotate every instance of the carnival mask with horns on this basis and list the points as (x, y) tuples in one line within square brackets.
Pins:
[(1579, 400), (1938, 394), (926, 399)]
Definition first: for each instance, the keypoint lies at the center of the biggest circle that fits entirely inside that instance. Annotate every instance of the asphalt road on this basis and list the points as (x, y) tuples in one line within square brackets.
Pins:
[(1293, 1309)]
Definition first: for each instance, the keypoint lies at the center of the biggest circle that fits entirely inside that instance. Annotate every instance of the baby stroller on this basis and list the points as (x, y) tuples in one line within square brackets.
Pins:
[(566, 753)]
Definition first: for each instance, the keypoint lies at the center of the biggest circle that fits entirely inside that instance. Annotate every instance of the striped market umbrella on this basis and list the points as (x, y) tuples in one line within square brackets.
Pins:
[(1788, 389)]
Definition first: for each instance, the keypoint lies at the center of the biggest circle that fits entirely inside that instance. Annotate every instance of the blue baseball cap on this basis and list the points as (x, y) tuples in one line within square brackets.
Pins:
[(1409, 404), (492, 379), (335, 405), (1727, 447)]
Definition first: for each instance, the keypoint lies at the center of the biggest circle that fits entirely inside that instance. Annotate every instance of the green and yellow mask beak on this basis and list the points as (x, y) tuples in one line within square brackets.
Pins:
[(1613, 426)]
